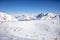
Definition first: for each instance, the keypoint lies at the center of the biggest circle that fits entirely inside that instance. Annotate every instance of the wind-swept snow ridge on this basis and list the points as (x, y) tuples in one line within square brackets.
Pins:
[(5, 17)]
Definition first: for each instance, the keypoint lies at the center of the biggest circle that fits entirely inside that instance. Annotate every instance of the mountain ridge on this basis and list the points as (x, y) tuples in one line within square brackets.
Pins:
[(6, 17)]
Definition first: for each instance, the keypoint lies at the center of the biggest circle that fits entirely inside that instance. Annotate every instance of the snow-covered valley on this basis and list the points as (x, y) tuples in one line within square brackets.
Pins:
[(46, 27)]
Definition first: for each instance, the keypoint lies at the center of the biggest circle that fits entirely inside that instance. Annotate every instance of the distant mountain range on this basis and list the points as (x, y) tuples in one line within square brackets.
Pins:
[(37, 17), (6, 17)]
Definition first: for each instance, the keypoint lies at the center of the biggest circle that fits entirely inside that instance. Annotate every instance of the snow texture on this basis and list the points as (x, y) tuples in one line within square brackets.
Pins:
[(45, 28)]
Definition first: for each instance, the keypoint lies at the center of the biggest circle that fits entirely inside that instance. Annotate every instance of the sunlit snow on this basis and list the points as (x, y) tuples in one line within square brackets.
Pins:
[(45, 28)]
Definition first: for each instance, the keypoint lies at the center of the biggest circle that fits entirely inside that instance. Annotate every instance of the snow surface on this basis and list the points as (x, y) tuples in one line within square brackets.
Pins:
[(46, 28), (6, 17)]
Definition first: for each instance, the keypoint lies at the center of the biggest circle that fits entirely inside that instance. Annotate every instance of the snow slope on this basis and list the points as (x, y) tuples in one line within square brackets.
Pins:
[(25, 17), (43, 29), (6, 17)]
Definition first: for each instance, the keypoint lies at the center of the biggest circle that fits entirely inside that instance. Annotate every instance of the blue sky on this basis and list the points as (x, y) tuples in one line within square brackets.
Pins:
[(30, 6)]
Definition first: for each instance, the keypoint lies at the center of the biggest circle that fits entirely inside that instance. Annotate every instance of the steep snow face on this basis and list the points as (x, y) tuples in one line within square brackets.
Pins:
[(39, 16), (6, 17)]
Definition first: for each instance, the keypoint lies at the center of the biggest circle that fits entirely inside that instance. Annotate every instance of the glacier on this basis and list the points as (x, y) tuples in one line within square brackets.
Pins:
[(24, 27)]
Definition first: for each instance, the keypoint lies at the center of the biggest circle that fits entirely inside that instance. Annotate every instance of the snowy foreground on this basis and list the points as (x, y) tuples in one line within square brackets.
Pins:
[(42, 29)]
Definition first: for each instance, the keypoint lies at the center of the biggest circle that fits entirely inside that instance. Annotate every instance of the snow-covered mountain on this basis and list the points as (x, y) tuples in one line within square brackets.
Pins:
[(5, 17), (25, 17), (51, 16), (48, 16), (37, 17), (45, 28)]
